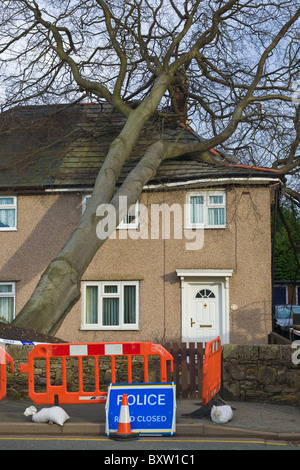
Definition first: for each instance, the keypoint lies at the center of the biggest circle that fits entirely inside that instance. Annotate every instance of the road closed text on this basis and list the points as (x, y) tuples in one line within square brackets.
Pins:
[(145, 419)]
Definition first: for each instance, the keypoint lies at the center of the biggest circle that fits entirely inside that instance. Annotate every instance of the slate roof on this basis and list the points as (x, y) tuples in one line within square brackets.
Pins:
[(62, 146)]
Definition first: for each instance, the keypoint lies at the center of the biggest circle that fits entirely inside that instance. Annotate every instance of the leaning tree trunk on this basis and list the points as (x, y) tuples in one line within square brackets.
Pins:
[(59, 286)]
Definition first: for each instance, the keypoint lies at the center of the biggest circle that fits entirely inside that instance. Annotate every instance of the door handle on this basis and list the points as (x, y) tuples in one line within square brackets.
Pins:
[(192, 322)]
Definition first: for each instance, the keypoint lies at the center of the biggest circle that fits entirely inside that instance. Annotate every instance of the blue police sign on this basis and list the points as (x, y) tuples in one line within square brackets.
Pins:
[(152, 407)]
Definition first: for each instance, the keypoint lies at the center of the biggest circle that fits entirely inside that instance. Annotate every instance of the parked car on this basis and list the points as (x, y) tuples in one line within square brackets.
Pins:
[(287, 317)]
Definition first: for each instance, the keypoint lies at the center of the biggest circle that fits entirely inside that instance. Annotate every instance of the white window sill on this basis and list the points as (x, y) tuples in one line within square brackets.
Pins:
[(204, 227), (109, 328)]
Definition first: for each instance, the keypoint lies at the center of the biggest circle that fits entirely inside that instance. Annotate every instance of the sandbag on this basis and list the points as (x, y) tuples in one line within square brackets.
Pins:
[(55, 414), (221, 414)]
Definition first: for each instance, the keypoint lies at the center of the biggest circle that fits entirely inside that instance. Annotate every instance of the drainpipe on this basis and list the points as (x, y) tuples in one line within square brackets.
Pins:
[(273, 255)]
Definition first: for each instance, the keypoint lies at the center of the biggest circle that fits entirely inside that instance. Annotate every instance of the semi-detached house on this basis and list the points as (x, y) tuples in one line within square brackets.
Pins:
[(191, 261)]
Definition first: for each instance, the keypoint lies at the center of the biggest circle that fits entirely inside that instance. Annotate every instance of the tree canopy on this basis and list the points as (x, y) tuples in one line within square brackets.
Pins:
[(237, 61)]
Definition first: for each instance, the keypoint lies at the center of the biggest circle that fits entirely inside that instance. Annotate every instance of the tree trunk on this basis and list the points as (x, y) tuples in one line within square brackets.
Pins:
[(59, 286)]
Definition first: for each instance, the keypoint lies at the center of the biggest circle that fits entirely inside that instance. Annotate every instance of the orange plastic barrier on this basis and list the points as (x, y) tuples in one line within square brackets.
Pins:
[(60, 394), (211, 370), (4, 359)]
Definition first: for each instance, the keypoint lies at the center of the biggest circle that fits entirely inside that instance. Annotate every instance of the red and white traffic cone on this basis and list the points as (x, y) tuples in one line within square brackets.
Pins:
[(124, 428)]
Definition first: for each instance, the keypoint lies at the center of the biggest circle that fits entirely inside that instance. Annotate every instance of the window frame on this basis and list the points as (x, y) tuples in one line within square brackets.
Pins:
[(206, 206), (11, 294), (12, 206), (101, 295), (123, 225)]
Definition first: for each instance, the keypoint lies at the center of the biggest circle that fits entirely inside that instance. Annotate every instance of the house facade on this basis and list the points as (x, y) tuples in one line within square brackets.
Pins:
[(192, 260)]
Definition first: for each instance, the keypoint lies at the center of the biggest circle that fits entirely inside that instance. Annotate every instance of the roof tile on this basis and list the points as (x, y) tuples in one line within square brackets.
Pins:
[(65, 146)]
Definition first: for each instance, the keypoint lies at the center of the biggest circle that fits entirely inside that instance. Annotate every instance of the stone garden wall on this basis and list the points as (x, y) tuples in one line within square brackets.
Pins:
[(17, 383), (261, 373)]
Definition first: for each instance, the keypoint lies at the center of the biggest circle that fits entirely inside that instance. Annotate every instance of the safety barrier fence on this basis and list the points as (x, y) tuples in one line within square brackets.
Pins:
[(195, 368), (4, 359), (90, 356), (211, 370), (192, 364)]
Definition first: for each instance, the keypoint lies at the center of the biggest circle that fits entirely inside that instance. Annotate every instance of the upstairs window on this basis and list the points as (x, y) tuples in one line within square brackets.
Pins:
[(206, 210), (8, 213), (131, 221)]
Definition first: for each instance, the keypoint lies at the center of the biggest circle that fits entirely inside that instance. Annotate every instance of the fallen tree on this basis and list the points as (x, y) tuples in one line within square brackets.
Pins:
[(142, 53)]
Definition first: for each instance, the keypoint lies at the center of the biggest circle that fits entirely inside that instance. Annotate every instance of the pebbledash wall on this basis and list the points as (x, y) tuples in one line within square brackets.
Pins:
[(243, 247), (253, 373)]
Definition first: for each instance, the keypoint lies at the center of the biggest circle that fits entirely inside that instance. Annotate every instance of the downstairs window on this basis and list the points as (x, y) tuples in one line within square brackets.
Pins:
[(110, 305)]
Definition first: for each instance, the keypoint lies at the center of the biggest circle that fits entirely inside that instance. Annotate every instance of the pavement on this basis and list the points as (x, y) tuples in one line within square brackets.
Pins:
[(249, 421)]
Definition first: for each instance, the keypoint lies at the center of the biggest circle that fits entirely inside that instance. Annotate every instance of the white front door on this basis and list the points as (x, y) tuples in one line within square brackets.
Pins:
[(204, 308), (205, 304), (202, 316)]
